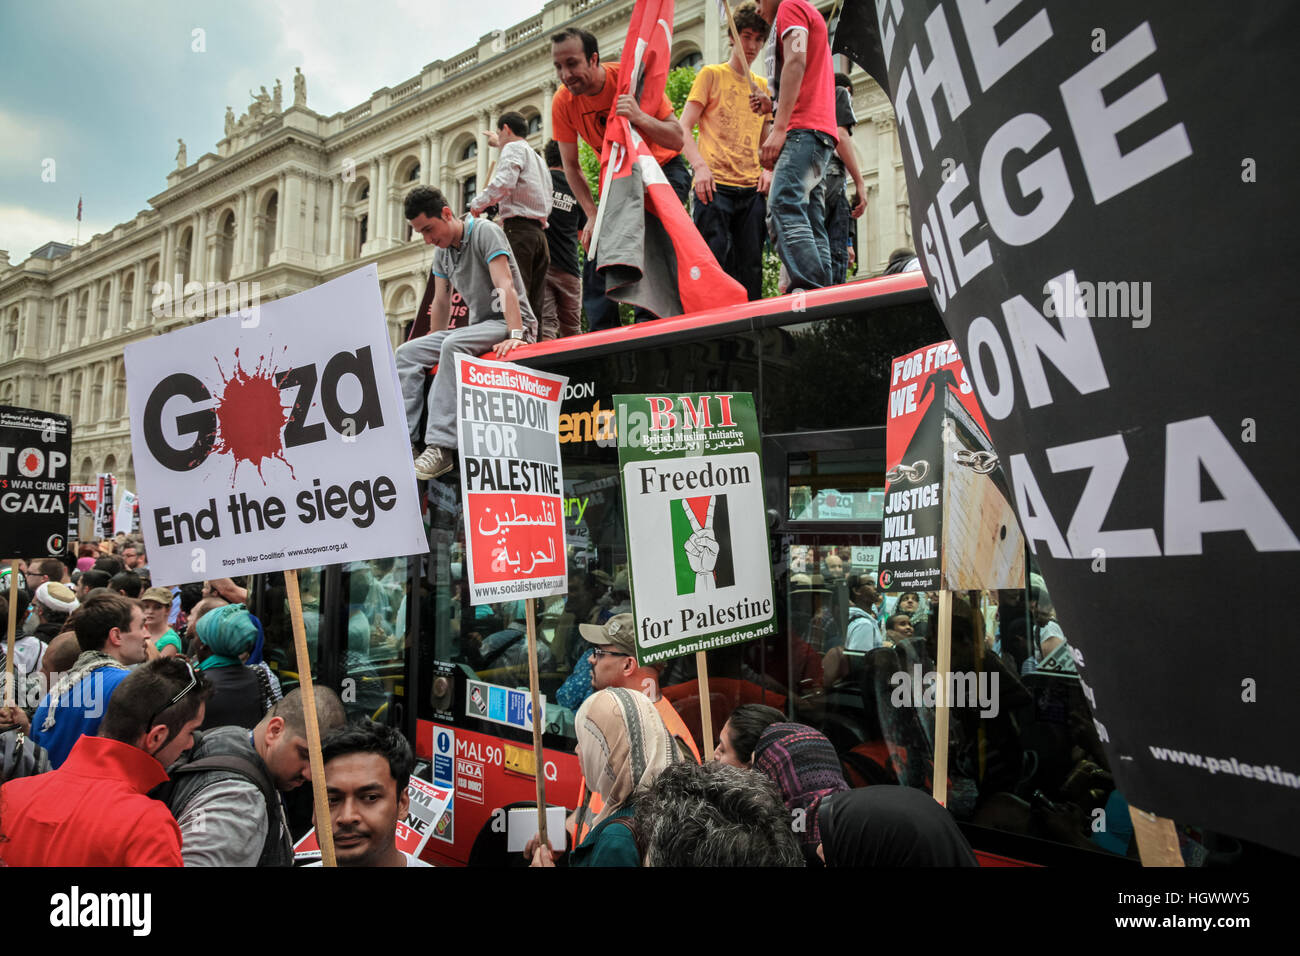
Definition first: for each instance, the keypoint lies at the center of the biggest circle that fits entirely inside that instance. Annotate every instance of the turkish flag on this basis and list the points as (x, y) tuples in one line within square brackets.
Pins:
[(650, 252)]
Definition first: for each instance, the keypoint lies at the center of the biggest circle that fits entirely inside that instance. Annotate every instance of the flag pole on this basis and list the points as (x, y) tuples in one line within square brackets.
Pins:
[(324, 830), (539, 760), (10, 698), (735, 39)]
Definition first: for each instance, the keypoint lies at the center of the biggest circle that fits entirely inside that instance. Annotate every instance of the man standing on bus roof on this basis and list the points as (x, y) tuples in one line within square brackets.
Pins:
[(581, 107), (803, 137), (475, 257), (521, 187), (729, 208)]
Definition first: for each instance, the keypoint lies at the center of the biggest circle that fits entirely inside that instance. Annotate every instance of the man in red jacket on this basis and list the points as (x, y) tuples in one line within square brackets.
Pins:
[(94, 810)]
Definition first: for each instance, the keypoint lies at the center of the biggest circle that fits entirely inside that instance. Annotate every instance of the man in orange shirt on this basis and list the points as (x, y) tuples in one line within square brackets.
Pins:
[(614, 665), (581, 107)]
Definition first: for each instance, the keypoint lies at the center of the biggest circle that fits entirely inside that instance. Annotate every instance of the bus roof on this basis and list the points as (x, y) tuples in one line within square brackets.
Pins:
[(745, 316)]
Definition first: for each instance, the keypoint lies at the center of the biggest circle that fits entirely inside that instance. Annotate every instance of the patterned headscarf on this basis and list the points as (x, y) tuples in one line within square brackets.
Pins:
[(227, 631), (805, 768), (623, 744)]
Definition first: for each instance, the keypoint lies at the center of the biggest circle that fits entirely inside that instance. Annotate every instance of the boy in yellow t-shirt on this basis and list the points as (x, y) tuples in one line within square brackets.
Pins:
[(729, 208)]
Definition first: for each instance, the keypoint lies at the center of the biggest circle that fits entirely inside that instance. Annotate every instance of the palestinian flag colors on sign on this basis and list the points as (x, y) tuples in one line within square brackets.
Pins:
[(701, 524), (650, 252)]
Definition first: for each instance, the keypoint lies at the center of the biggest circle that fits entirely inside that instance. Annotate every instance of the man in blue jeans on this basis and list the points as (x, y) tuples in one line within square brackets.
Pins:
[(802, 140)]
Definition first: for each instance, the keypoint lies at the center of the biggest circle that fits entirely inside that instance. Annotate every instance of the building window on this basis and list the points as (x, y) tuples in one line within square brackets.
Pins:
[(694, 60), (534, 124), (468, 192), (414, 174), (470, 151)]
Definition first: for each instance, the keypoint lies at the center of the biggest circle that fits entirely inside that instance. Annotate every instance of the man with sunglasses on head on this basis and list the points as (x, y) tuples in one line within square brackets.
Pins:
[(227, 796), (95, 809), (112, 637)]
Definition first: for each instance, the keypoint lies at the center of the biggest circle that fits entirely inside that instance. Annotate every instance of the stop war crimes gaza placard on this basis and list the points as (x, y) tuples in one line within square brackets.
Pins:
[(274, 441), (510, 479), (701, 572), (35, 448)]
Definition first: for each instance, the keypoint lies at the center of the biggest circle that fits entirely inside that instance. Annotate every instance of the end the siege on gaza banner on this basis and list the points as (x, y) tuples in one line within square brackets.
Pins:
[(35, 465), (948, 518), (1108, 223), (701, 574), (274, 441)]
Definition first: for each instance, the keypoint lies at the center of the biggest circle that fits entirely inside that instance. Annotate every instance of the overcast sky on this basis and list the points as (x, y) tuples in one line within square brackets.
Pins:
[(105, 89)]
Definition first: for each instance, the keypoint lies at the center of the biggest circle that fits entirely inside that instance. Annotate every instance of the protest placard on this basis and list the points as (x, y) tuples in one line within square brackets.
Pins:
[(948, 518), (124, 518), (274, 441), (1130, 370), (105, 492), (701, 572), (275, 444), (35, 453), (511, 481)]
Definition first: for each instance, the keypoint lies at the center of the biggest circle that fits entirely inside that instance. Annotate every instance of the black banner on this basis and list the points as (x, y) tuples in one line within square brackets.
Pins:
[(35, 466), (1103, 203)]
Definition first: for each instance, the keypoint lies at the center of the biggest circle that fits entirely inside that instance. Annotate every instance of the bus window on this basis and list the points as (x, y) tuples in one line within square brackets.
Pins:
[(833, 373), (273, 607), (375, 645)]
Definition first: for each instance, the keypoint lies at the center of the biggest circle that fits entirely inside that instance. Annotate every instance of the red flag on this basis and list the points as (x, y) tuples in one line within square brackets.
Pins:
[(650, 252), (78, 209)]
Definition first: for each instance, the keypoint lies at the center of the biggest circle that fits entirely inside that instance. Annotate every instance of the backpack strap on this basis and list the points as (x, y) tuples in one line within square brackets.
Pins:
[(235, 764)]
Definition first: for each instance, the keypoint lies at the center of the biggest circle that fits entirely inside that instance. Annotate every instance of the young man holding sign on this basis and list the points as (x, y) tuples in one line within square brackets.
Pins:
[(474, 257)]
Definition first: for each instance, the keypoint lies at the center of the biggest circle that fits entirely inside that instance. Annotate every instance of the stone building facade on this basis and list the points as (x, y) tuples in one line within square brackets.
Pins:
[(290, 198)]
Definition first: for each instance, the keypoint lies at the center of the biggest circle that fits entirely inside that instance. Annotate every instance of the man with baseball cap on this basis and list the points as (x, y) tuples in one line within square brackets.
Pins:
[(613, 664)]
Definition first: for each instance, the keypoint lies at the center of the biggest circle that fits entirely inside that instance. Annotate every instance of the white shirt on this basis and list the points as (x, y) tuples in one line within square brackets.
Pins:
[(410, 860), (521, 185)]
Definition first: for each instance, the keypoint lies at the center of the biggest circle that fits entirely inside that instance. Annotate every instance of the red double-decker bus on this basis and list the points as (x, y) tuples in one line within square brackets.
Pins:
[(401, 642)]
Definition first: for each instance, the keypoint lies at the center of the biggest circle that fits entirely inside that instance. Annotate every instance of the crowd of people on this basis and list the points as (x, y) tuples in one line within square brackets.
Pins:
[(146, 730), (772, 164)]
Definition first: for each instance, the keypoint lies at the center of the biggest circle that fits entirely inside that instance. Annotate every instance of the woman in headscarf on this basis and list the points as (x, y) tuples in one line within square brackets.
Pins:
[(623, 745), (889, 826), (805, 768), (224, 634)]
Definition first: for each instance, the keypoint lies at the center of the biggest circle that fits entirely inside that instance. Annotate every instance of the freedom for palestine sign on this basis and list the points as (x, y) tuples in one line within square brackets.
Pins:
[(692, 479)]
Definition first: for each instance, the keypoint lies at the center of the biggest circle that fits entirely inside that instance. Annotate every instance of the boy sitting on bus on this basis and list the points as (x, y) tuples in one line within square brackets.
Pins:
[(474, 256)]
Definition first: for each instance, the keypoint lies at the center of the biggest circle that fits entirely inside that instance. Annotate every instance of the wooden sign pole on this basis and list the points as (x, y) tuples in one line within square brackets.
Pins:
[(324, 830), (539, 760), (706, 703), (10, 690), (941, 703)]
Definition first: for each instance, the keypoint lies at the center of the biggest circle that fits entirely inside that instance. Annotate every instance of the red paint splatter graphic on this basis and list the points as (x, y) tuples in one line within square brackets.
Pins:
[(32, 463), (250, 418)]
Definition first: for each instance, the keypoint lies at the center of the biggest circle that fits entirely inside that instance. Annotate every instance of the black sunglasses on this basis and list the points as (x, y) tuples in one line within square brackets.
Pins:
[(194, 682)]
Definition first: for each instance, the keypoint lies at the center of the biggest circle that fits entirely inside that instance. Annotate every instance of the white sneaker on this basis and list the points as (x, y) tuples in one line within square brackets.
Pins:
[(433, 462)]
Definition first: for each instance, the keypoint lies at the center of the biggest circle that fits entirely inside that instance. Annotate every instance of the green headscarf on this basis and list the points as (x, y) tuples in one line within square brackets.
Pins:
[(227, 631)]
